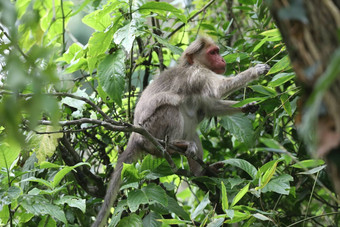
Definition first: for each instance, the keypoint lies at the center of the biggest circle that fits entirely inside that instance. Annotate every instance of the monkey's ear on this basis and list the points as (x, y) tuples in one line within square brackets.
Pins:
[(189, 58)]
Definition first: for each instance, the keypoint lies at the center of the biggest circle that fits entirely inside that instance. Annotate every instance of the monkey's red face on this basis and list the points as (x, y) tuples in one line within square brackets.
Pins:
[(215, 61)]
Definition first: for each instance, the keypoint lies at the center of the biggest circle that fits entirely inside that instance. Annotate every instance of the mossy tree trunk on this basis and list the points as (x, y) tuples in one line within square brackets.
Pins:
[(311, 31)]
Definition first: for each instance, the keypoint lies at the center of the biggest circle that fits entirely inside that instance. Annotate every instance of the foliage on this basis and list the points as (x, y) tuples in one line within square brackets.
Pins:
[(71, 72)]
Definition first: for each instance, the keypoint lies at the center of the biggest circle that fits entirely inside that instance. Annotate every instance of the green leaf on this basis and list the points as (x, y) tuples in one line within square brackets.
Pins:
[(259, 45), (177, 209), (136, 198), (235, 57), (75, 51), (282, 65), (242, 164), (286, 104), (271, 33), (225, 204), (9, 152), (314, 170), (247, 2), (8, 196), (279, 185), (240, 195), (249, 100), (98, 44), (72, 201), (42, 207), (199, 209), (272, 143), (174, 221), (238, 217), (262, 217), (111, 73), (38, 180), (264, 90), (98, 20), (48, 165), (151, 220), (162, 8), (61, 174), (133, 220), (156, 193), (216, 223), (126, 35), (310, 163), (240, 127), (44, 144), (280, 79), (268, 175), (164, 42)]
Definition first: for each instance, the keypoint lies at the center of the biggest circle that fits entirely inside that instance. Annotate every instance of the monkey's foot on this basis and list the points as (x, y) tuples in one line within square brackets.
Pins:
[(189, 147)]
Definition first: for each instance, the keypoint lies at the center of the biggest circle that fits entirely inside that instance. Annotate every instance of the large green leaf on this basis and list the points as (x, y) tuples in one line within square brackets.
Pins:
[(280, 66), (73, 201), (111, 74), (44, 144), (126, 35), (264, 90), (240, 195), (240, 127), (156, 193), (65, 170), (244, 165), (164, 42), (280, 79), (8, 153), (136, 198), (151, 220), (279, 185), (162, 8), (174, 207), (40, 206), (133, 220)]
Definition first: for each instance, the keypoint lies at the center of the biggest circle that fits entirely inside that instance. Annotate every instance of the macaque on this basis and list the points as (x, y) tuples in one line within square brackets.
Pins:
[(173, 105)]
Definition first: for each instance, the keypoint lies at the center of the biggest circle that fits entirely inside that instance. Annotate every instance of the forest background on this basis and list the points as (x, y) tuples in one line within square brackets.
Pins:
[(71, 73)]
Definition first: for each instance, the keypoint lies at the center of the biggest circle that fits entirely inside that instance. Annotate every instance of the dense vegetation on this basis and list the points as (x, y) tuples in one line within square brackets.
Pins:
[(71, 73)]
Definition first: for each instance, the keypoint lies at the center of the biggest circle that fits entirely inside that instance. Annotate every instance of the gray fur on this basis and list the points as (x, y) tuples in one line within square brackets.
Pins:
[(173, 105)]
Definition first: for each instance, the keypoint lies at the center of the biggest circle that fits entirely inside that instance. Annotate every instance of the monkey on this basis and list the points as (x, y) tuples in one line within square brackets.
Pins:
[(172, 106)]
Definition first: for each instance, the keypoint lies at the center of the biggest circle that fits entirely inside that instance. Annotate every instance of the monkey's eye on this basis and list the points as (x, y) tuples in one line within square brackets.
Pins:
[(213, 52)]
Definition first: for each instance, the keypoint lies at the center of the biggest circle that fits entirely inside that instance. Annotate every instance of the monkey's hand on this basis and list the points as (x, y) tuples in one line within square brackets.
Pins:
[(262, 69), (250, 107)]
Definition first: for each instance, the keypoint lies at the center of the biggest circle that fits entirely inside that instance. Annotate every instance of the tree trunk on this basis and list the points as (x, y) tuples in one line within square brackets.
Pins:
[(310, 29)]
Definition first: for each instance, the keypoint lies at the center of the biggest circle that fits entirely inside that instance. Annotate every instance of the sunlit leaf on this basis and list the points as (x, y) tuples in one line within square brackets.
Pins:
[(280, 66), (225, 204), (240, 195), (162, 8)]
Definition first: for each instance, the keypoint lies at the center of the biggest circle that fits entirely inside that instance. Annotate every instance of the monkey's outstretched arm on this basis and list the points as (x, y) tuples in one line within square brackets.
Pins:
[(227, 85)]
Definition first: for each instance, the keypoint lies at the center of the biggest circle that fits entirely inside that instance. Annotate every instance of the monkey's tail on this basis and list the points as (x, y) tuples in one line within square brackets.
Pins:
[(114, 185)]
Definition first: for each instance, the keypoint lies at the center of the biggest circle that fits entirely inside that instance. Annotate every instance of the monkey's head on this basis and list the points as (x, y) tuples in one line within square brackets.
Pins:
[(205, 52)]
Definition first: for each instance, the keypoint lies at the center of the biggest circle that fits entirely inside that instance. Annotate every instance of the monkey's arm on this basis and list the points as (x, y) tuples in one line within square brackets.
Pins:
[(227, 85), (215, 107)]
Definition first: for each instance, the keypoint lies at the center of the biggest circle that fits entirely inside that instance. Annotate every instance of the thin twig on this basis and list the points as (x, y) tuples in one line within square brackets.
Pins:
[(192, 17)]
